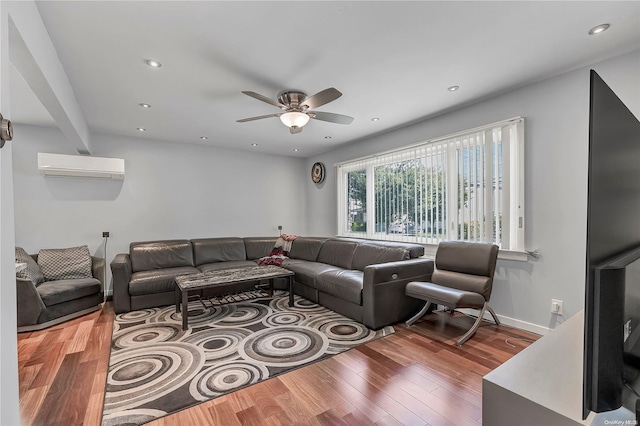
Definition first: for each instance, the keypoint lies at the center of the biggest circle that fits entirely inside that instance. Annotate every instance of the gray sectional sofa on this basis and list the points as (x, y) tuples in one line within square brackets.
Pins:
[(359, 278)]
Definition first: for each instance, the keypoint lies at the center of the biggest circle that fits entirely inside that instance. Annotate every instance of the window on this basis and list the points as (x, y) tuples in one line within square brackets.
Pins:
[(468, 186)]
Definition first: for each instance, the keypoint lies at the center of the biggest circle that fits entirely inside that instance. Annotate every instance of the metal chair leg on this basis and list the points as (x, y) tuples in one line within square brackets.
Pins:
[(473, 328), (417, 316), (493, 314)]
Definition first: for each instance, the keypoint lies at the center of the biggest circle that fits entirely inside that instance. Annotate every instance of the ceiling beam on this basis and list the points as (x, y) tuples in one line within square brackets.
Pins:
[(33, 54)]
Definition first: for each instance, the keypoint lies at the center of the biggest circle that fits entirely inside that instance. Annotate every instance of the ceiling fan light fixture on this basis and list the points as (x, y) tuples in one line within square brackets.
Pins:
[(294, 119)]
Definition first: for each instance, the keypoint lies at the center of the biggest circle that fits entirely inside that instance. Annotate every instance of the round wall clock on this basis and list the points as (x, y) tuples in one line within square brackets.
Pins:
[(317, 172)]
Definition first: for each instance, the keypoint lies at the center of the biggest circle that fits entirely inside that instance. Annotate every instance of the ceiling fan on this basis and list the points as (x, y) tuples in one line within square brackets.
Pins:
[(297, 108)]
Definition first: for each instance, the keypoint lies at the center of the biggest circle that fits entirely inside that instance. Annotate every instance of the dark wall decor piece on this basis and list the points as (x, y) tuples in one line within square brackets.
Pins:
[(317, 173)]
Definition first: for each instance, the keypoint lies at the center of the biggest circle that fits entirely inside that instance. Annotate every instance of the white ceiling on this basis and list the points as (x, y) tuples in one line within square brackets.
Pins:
[(393, 60)]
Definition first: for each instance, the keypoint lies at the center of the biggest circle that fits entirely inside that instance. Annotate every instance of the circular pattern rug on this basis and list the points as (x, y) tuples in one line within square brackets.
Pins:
[(156, 368)]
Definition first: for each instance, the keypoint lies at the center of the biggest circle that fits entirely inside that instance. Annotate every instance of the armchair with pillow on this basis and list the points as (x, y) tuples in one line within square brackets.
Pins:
[(57, 285)]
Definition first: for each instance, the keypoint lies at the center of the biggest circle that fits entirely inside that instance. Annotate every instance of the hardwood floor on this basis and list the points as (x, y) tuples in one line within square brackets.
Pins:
[(416, 376)]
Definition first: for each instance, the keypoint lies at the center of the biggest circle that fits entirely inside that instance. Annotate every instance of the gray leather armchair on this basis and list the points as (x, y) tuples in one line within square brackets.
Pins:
[(53, 302), (463, 278)]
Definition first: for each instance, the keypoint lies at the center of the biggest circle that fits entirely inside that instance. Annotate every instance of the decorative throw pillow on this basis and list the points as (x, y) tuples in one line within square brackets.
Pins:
[(32, 271), (65, 264)]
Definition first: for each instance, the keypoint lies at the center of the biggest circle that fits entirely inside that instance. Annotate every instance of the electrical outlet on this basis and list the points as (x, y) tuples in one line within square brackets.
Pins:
[(557, 307), (279, 227), (105, 234)]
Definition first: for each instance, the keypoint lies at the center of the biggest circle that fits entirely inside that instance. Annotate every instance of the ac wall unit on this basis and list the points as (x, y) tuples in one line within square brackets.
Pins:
[(80, 166)]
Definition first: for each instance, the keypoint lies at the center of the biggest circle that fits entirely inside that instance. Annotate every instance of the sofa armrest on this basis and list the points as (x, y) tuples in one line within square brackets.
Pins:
[(98, 266), (383, 298), (121, 273), (30, 304)]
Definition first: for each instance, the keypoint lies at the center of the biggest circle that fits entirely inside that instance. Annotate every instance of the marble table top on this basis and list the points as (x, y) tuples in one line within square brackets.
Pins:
[(230, 276)]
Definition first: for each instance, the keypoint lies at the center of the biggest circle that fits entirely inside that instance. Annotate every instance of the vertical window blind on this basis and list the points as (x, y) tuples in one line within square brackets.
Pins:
[(468, 186)]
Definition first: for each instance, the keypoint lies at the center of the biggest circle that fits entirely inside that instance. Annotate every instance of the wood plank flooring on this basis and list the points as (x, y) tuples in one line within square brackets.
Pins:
[(416, 376)]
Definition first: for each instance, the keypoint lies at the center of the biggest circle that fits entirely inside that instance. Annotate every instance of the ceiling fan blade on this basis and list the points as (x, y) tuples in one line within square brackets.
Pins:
[(321, 98), (331, 117), (260, 117), (262, 98), (295, 130)]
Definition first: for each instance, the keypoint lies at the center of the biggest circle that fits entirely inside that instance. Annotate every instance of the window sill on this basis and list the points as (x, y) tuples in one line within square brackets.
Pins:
[(513, 255), (518, 256)]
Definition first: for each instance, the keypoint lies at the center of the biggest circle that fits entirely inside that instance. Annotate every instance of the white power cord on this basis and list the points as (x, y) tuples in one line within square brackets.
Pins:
[(105, 284), (517, 338)]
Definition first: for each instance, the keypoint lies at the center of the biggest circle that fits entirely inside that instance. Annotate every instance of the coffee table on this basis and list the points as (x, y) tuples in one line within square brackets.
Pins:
[(212, 279)]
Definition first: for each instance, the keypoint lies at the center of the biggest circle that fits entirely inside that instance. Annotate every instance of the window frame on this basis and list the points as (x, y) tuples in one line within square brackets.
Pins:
[(512, 188)]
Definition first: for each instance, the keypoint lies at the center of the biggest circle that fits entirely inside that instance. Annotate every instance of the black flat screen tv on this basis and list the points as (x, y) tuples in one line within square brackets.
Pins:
[(612, 296)]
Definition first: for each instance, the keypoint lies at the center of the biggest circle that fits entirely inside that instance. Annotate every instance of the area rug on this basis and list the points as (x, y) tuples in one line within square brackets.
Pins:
[(156, 368)]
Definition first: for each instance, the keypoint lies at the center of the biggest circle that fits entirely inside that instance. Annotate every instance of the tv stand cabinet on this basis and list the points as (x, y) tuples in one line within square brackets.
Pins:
[(542, 385)]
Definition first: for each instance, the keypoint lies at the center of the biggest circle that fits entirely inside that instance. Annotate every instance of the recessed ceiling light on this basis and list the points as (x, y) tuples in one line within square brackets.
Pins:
[(152, 63), (143, 105), (453, 88), (204, 138), (296, 149), (374, 119), (254, 144), (142, 129), (599, 29), (327, 137)]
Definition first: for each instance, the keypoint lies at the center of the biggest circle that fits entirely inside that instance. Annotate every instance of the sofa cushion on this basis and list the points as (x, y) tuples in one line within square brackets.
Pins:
[(257, 247), (459, 256), (441, 295), (66, 263), (210, 250), (72, 307), (343, 283), (337, 252), (371, 254), (306, 272), (32, 271), (146, 256), (218, 266), (157, 280), (415, 250), (464, 282), (54, 292), (306, 248)]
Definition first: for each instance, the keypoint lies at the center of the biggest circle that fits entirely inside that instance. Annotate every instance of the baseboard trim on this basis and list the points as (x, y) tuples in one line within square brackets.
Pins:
[(511, 322)]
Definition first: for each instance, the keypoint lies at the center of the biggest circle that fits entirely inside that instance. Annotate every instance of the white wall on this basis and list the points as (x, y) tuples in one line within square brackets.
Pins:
[(556, 138), (9, 413), (171, 190)]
